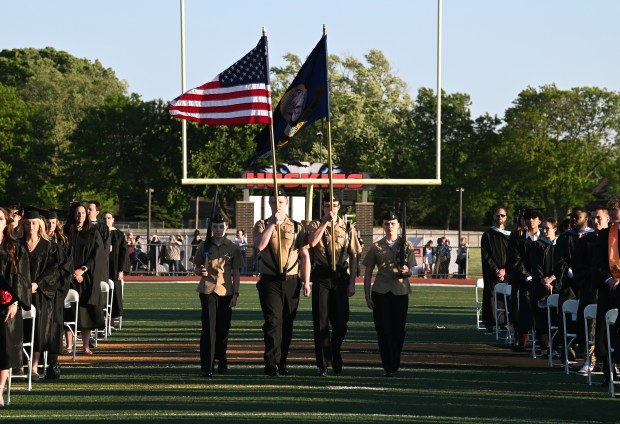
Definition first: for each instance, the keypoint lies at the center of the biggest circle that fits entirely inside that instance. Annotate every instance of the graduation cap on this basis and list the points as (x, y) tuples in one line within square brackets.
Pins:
[(32, 212), (53, 213), (389, 216), (218, 219), (529, 212)]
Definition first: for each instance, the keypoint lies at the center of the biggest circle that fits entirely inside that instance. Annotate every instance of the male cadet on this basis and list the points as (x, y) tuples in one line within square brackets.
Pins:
[(494, 250), (279, 284), (218, 261), (331, 288)]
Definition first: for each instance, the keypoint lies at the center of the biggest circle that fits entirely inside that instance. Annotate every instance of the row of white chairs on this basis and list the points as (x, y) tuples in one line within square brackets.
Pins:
[(71, 301), (502, 293)]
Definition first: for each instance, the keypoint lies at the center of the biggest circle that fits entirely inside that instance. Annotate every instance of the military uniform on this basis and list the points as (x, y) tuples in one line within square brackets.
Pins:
[(279, 291), (330, 299), (216, 291), (390, 295)]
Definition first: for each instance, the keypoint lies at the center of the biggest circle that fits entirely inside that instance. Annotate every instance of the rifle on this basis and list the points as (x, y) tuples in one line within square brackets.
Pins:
[(403, 220), (208, 235)]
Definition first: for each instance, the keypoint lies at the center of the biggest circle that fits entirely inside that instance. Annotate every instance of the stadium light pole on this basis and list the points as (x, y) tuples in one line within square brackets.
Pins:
[(460, 190)]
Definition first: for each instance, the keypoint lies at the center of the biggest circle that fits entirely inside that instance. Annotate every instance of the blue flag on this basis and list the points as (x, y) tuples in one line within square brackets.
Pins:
[(305, 101)]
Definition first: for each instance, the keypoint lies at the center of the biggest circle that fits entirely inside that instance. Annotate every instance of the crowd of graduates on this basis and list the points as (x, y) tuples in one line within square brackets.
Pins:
[(576, 258), (41, 259)]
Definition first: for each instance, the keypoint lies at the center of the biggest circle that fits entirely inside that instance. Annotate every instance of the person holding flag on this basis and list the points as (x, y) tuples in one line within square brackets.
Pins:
[(332, 288)]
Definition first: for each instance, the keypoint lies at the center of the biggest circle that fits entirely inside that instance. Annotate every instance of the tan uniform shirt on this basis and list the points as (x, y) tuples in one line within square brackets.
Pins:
[(290, 250), (341, 240), (387, 260), (219, 263)]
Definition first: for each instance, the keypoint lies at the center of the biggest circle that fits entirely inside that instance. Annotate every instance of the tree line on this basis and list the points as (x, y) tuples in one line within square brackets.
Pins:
[(69, 129)]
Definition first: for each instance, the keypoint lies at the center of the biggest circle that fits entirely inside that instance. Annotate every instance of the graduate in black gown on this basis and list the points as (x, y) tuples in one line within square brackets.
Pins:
[(520, 272), (65, 272), (44, 257), (494, 250), (116, 263), (15, 295), (542, 261), (84, 244)]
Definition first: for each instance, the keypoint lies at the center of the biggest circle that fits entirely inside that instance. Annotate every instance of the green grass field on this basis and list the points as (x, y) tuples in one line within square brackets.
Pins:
[(147, 372)]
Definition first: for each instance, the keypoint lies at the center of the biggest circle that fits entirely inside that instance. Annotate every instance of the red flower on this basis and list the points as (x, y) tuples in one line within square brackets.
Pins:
[(5, 297)]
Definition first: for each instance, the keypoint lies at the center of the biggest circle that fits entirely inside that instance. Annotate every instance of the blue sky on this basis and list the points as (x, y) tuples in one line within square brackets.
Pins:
[(492, 49)]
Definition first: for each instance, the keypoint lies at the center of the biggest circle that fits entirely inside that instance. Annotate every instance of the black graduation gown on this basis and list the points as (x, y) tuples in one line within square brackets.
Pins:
[(565, 258), (518, 269), (494, 251), (116, 264), (65, 276), (542, 262), (19, 283), (83, 252), (44, 260), (607, 299), (100, 268)]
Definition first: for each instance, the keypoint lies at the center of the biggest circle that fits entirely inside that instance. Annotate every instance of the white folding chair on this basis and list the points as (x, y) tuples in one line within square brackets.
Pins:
[(552, 302), (569, 311), (610, 319), (589, 314), (105, 294), (498, 292), (119, 319), (109, 307), (507, 294), (28, 349), (479, 285), (72, 301)]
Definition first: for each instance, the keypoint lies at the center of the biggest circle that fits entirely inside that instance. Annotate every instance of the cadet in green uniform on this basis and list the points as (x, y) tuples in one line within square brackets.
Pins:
[(218, 261), (280, 284), (389, 299), (331, 289)]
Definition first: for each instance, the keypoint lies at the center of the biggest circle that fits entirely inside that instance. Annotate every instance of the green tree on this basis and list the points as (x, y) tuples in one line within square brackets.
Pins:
[(59, 89), (557, 145)]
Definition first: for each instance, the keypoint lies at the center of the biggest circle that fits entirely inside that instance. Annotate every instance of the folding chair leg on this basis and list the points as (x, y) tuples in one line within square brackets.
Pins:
[(8, 388)]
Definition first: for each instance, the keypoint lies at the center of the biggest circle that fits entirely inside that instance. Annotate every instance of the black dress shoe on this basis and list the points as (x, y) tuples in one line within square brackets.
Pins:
[(321, 372), (271, 370), (207, 373), (337, 369), (222, 368), (387, 373), (282, 370)]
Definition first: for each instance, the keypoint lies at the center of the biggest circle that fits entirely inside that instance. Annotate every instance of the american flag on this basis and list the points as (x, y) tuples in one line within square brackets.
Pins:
[(239, 95)]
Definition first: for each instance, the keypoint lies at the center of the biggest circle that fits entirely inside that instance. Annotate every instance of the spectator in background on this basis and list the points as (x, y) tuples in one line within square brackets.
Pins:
[(171, 253), (428, 258), (461, 257), (180, 263), (195, 242), (153, 253), (242, 243)]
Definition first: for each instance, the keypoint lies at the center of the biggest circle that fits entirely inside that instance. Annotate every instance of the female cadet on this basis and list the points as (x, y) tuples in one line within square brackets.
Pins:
[(389, 298), (14, 295)]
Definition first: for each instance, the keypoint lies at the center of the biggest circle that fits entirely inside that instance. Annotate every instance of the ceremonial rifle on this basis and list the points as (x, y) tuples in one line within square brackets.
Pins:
[(208, 237), (403, 250)]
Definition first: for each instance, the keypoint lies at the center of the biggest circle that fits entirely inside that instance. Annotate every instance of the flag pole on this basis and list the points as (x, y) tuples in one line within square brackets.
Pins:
[(275, 169), (329, 158), (183, 122)]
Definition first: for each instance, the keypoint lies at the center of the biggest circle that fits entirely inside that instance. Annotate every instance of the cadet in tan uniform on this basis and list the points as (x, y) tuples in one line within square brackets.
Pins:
[(389, 299), (279, 286), (218, 261), (331, 289)]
